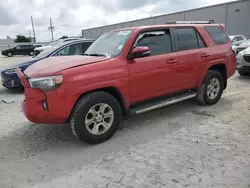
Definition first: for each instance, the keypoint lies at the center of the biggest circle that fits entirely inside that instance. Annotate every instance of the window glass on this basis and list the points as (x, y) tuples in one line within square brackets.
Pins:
[(109, 44), (85, 46), (26, 46), (74, 49), (187, 39), (217, 34), (159, 42), (239, 38)]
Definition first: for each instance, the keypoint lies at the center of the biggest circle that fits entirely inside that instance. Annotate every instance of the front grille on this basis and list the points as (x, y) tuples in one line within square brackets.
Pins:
[(239, 50), (247, 58)]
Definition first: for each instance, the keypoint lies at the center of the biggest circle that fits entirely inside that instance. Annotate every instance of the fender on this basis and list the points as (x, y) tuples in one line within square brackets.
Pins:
[(121, 84), (208, 66)]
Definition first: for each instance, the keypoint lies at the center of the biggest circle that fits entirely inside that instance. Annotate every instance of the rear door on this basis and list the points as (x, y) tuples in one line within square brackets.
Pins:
[(154, 75), (191, 52)]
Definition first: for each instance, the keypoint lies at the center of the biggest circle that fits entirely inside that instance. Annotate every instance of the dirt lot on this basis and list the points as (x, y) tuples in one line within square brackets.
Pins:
[(184, 145)]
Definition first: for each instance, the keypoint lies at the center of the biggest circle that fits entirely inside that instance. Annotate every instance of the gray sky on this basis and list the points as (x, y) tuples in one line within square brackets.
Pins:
[(70, 16)]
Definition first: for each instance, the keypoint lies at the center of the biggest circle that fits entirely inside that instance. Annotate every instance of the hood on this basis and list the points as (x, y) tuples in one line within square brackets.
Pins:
[(23, 65), (52, 65), (246, 51)]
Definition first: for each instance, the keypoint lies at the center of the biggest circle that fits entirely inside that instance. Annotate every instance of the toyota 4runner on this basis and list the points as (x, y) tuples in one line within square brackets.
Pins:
[(127, 72)]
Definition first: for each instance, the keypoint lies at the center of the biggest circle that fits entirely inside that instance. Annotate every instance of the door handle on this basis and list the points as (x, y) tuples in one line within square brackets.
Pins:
[(172, 61), (205, 55)]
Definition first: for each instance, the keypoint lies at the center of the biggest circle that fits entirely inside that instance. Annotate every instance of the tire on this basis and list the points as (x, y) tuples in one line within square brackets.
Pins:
[(31, 53), (9, 54), (82, 112), (204, 96), (242, 73)]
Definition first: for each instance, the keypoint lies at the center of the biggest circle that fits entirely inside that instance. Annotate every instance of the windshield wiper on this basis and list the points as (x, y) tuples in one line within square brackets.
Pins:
[(98, 55)]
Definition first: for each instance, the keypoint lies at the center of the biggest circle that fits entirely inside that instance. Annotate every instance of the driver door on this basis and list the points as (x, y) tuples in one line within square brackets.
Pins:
[(154, 75)]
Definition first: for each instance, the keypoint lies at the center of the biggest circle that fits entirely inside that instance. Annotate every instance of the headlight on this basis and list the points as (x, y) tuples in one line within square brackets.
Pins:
[(46, 83), (10, 71)]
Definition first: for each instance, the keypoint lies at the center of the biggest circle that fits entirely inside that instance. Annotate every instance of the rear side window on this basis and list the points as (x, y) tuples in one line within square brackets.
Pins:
[(217, 34), (188, 39)]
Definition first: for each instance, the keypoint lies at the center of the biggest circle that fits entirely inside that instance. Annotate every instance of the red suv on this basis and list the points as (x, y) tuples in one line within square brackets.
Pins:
[(126, 72)]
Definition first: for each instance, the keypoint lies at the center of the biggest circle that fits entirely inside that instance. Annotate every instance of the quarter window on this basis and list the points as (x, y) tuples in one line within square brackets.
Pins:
[(159, 42), (217, 34)]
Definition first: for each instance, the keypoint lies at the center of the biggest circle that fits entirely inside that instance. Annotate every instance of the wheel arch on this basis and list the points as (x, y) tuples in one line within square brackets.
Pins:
[(223, 70), (115, 92), (220, 66)]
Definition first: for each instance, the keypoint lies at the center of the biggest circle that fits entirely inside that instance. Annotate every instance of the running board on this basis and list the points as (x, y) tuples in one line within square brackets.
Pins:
[(166, 102)]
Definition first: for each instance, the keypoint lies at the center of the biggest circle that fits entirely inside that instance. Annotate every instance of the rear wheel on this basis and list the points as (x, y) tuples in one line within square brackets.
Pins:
[(95, 117), (211, 89), (9, 54)]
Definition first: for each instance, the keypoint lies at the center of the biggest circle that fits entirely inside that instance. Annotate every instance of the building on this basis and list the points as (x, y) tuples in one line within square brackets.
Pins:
[(235, 15)]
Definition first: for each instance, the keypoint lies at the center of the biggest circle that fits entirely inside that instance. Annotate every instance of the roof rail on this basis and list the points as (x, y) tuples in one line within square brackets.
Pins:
[(191, 22)]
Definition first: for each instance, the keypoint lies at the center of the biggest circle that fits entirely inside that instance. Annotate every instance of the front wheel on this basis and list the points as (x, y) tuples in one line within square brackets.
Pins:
[(31, 53), (242, 73), (211, 89), (96, 117), (9, 54)]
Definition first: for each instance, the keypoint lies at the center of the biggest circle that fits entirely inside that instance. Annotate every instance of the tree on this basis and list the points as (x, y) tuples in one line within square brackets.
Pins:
[(21, 38), (63, 37)]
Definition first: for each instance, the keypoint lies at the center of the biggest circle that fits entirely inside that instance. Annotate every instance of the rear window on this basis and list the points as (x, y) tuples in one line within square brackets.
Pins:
[(217, 34)]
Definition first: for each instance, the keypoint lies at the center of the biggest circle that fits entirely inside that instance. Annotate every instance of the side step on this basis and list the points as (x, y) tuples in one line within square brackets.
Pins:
[(162, 103)]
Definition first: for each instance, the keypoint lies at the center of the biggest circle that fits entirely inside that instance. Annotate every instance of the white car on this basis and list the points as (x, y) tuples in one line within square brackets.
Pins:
[(244, 45), (237, 39), (243, 62), (55, 43)]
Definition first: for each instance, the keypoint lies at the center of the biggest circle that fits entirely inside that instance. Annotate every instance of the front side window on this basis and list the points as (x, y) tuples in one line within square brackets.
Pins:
[(109, 44), (159, 42), (74, 49), (217, 34)]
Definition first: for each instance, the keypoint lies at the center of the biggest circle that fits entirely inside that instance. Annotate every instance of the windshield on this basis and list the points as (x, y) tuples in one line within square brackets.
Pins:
[(245, 43), (109, 44)]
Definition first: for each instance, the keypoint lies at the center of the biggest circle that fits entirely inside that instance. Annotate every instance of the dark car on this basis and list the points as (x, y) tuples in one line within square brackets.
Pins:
[(24, 49), (10, 79)]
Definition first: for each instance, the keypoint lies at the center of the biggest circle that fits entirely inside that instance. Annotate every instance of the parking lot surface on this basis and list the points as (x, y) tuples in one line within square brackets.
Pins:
[(184, 145)]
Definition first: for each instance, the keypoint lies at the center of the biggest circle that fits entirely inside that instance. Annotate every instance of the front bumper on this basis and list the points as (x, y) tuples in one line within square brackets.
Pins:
[(242, 65), (33, 105), (11, 81)]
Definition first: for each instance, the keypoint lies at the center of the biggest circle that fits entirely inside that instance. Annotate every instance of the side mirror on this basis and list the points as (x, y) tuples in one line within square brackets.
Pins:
[(139, 52)]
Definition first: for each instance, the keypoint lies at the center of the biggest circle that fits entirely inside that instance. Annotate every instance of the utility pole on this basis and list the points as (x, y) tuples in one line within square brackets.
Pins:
[(30, 35), (51, 28), (33, 28)]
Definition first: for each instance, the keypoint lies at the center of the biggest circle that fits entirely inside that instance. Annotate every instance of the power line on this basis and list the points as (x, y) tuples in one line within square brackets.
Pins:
[(33, 28), (51, 28)]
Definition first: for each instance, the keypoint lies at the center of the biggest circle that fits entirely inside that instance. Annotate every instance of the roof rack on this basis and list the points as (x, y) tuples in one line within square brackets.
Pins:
[(191, 22)]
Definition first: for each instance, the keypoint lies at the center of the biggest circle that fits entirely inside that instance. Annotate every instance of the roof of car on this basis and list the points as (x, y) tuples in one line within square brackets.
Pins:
[(167, 25)]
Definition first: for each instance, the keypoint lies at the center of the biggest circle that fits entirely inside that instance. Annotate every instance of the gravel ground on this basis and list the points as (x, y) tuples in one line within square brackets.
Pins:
[(184, 145)]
